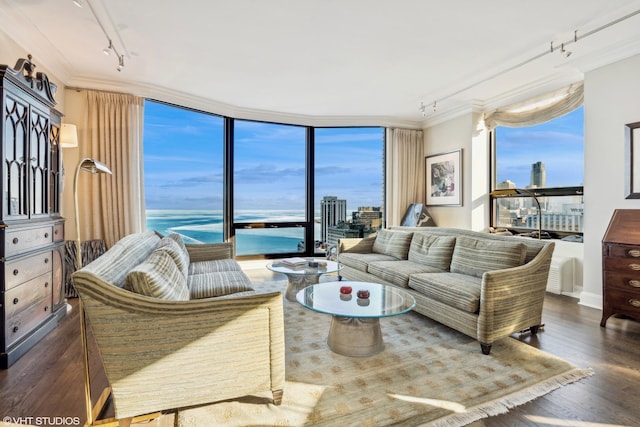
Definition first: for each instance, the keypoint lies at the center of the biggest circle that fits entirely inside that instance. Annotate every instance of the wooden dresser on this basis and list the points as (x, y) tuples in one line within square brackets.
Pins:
[(621, 266), (31, 228)]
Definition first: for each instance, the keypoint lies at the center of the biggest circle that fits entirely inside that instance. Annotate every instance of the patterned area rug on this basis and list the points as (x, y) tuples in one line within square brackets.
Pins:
[(427, 375)]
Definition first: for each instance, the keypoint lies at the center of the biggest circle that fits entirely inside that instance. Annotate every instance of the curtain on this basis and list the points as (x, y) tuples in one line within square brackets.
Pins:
[(405, 172), (537, 110), (112, 206)]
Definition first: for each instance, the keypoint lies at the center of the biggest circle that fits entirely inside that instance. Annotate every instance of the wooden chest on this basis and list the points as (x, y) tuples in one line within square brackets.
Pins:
[(621, 266)]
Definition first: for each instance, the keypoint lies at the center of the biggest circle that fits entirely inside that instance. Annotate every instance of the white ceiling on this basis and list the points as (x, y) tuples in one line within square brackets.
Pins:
[(326, 61)]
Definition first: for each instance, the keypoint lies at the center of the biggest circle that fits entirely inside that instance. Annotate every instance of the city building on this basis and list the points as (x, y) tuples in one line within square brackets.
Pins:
[(332, 212)]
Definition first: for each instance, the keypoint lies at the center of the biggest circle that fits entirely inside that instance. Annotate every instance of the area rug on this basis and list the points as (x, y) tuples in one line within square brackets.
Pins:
[(427, 375)]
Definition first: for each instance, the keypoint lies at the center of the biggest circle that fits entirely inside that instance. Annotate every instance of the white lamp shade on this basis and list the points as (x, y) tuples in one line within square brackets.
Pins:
[(68, 136)]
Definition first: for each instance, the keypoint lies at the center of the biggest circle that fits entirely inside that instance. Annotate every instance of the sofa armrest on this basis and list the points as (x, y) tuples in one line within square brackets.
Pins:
[(511, 299), (357, 245), (210, 349), (209, 251)]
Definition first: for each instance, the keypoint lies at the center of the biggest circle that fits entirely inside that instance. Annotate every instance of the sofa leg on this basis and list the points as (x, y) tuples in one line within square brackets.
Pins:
[(277, 397), (534, 329), (486, 348)]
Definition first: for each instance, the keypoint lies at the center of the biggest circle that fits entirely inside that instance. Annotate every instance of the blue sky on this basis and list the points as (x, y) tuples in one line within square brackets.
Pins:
[(183, 152), (559, 144)]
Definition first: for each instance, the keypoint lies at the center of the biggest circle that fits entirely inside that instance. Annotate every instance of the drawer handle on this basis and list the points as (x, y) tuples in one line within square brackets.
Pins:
[(46, 284), (15, 241), (634, 253), (16, 272), (635, 267), (55, 231), (46, 261), (46, 308), (634, 302), (16, 300), (46, 235), (14, 329), (634, 283)]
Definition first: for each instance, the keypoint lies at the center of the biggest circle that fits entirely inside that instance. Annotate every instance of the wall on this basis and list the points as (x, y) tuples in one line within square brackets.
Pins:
[(455, 134), (612, 99)]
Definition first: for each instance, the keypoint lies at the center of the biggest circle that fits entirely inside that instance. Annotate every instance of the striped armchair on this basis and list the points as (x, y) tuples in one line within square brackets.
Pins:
[(161, 354)]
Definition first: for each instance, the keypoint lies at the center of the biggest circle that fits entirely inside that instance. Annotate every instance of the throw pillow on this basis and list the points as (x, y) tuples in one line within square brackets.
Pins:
[(434, 251), (473, 256), (393, 243), (158, 277), (174, 247)]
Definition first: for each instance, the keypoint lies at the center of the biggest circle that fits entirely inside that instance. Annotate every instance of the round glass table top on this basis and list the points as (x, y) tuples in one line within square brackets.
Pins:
[(383, 300), (329, 267)]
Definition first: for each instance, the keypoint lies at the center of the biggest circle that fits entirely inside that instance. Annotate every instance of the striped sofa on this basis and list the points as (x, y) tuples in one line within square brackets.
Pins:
[(483, 285), (179, 325)]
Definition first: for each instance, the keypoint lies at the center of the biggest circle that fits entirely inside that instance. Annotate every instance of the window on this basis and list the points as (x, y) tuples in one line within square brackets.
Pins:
[(183, 172), (545, 161)]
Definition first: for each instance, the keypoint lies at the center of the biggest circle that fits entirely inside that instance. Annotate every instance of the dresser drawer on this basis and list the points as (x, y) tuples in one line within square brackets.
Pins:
[(623, 302), (622, 264), (58, 232), (35, 310), (22, 240), (624, 281), (624, 251), (25, 269), (29, 294)]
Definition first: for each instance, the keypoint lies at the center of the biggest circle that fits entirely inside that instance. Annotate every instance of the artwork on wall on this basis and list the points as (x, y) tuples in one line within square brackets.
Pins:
[(444, 179), (417, 216), (632, 160)]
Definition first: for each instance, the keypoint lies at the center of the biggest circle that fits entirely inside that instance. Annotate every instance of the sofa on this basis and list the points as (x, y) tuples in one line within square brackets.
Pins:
[(483, 285), (180, 325)]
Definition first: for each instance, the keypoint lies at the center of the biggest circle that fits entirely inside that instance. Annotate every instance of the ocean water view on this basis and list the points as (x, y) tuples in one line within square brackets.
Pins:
[(205, 226)]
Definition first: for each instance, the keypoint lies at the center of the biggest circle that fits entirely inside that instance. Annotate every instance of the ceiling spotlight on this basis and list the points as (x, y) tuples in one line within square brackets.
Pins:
[(422, 108), (563, 51), (120, 63), (107, 50), (78, 3)]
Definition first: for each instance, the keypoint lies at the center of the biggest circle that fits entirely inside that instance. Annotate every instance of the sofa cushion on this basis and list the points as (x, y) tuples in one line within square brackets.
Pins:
[(393, 243), (177, 251), (361, 261), (456, 290), (476, 256), (208, 285), (397, 272), (434, 251), (158, 277), (214, 266)]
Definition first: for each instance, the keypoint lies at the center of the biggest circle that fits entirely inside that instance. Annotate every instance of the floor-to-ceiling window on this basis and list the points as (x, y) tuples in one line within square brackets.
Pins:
[(261, 185), (183, 172)]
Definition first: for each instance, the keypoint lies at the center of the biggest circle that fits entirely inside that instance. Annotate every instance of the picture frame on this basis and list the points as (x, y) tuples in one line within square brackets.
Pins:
[(443, 179), (632, 160)]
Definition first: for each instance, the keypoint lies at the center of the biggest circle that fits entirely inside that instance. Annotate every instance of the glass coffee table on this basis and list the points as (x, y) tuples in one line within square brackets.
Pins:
[(303, 276), (355, 323)]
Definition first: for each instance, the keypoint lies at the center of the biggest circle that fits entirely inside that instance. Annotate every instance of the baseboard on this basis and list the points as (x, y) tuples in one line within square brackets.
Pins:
[(590, 299)]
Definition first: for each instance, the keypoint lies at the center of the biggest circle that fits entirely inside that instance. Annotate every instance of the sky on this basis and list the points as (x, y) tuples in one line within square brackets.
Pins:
[(559, 144), (183, 162)]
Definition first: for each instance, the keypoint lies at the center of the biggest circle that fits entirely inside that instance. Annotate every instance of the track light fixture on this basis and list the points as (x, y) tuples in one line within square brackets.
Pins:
[(423, 108), (107, 50)]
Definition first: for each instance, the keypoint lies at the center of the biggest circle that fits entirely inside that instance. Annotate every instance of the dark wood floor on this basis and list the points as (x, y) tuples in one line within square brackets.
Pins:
[(47, 381)]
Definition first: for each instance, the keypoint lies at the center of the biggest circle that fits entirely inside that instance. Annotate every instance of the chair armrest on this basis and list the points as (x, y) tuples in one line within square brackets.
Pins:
[(210, 349), (511, 299), (355, 244), (209, 251)]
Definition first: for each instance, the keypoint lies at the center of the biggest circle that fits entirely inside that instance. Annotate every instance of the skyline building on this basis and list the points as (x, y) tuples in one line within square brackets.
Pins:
[(332, 212), (538, 175)]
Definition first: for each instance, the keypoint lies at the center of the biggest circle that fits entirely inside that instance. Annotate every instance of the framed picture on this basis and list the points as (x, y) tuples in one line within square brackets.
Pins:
[(632, 160), (444, 179)]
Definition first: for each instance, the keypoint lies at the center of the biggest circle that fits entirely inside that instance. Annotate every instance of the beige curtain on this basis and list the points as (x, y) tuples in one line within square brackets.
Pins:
[(112, 206), (537, 110), (404, 172)]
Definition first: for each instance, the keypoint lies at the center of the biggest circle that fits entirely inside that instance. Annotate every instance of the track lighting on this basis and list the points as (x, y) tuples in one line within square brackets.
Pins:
[(107, 50), (564, 52), (120, 63)]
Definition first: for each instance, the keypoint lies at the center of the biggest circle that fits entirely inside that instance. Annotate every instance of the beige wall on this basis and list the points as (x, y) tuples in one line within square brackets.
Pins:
[(612, 99)]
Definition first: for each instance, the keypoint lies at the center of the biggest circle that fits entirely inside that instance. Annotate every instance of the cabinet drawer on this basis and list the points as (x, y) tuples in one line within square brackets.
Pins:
[(58, 232), (622, 264), (29, 317), (29, 294), (624, 281), (22, 240), (25, 269), (624, 251), (623, 302)]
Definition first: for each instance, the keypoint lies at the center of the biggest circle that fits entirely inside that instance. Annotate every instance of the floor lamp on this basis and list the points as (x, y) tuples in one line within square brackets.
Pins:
[(94, 167)]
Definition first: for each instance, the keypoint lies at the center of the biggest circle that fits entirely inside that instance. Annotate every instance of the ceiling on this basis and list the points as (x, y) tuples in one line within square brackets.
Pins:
[(326, 62)]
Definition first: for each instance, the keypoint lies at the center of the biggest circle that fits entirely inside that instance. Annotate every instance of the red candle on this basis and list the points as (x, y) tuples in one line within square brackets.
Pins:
[(345, 289), (363, 293)]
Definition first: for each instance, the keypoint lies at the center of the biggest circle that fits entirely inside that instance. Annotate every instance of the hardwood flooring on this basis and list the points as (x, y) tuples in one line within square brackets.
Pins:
[(47, 381)]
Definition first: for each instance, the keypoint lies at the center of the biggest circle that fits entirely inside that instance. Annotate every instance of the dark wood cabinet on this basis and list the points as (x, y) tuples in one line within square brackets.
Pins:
[(31, 228), (621, 266)]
